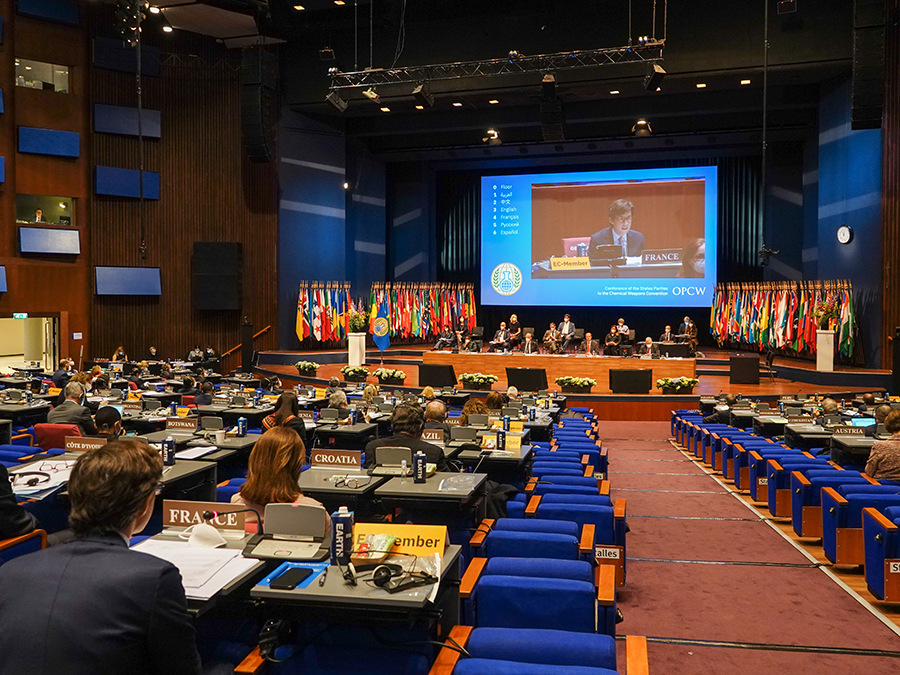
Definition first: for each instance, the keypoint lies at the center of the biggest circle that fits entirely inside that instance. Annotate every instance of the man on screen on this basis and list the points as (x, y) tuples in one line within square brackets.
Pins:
[(619, 231)]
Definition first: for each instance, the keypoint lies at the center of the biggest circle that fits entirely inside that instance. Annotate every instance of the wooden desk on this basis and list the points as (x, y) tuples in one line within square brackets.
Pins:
[(596, 367)]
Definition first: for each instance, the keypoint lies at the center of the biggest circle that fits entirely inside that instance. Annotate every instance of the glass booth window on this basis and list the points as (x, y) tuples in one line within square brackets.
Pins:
[(40, 75), (44, 209)]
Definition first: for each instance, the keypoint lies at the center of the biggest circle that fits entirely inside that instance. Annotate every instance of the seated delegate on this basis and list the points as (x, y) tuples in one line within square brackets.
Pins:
[(552, 338), (589, 346), (884, 458), (407, 422), (287, 411), (648, 348), (612, 342), (501, 339), (71, 411)]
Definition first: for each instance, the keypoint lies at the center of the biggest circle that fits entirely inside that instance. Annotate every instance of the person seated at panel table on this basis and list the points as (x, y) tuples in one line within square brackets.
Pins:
[(109, 423), (881, 413), (338, 401), (286, 414), (619, 232), (72, 410), (209, 353), (446, 339), (693, 260), (274, 468), (469, 345), (152, 354), (623, 330), (407, 422), (119, 354), (515, 332), (589, 346), (38, 216), (205, 397), (667, 335), (884, 458), (868, 401), (648, 347), (93, 605), (552, 338), (188, 387), (567, 328), (722, 414), (62, 374), (612, 341), (436, 418), (501, 339), (195, 355), (530, 346)]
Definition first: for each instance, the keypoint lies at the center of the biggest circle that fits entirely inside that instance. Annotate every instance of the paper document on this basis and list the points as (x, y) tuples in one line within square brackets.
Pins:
[(194, 453)]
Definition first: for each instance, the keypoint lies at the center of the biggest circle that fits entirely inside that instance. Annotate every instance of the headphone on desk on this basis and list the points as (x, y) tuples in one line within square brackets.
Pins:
[(31, 478)]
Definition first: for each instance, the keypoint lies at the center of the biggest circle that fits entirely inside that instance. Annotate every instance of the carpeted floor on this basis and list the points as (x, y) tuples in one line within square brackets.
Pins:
[(703, 567)]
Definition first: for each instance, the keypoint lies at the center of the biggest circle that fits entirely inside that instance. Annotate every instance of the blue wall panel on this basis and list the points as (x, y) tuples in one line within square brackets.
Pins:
[(2, 169), (411, 225), (117, 119), (60, 11), (1, 102), (3, 287), (49, 142), (115, 182), (366, 220)]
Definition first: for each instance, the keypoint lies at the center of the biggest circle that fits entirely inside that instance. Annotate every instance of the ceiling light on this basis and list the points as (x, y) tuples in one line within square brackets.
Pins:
[(513, 55), (457, 104), (62, 205), (372, 95), (340, 3), (701, 85), (346, 186), (493, 101), (27, 67), (154, 9), (641, 128), (335, 99), (385, 109), (420, 107), (299, 8), (614, 92), (492, 138), (325, 54), (422, 94), (745, 82), (166, 26)]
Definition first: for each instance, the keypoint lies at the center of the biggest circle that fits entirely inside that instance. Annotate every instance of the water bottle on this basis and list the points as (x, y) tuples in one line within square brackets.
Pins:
[(125, 394), (532, 413), (255, 399), (242, 427), (404, 471), (29, 396), (173, 408), (419, 467), (582, 250), (45, 387), (501, 440), (168, 451), (506, 423), (341, 536)]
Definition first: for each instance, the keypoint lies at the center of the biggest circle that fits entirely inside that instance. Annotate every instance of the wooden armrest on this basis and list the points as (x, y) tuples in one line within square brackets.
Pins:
[(636, 661), (224, 483), (15, 541), (530, 485), (28, 458), (755, 455), (836, 466), (834, 495), (586, 545), (604, 487), (588, 471), (605, 580), (448, 657), (481, 532), (775, 465), (619, 509), (739, 447), (585, 459), (471, 576), (28, 436), (879, 518), (800, 477), (533, 504), (252, 664), (727, 441), (870, 479), (805, 452)]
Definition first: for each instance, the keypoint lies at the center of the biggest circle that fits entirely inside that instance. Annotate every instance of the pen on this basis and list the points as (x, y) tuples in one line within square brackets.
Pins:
[(322, 578)]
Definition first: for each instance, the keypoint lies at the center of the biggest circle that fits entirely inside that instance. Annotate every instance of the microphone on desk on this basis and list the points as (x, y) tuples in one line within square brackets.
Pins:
[(212, 515)]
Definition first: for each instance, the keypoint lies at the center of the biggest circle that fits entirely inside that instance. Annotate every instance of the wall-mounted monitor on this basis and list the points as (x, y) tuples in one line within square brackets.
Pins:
[(127, 281), (3, 287), (48, 240)]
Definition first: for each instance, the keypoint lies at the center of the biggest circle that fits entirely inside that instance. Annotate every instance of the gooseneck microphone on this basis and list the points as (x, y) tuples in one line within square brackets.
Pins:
[(212, 515)]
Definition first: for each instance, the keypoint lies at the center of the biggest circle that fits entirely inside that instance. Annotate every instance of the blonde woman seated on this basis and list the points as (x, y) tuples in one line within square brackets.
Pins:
[(369, 393), (428, 393), (274, 470)]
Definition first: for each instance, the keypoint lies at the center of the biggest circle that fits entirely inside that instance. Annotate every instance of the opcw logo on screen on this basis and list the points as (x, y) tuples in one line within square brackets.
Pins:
[(506, 278), (380, 328)]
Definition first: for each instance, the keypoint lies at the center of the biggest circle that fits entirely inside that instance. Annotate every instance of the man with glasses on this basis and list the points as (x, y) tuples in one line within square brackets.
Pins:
[(93, 605), (619, 231), (407, 422)]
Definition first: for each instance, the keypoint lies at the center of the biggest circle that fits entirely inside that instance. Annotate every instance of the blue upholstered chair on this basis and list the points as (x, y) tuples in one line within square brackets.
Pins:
[(842, 534), (22, 545)]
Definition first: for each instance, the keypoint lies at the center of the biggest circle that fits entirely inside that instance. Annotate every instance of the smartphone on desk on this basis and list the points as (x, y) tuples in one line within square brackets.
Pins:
[(290, 579)]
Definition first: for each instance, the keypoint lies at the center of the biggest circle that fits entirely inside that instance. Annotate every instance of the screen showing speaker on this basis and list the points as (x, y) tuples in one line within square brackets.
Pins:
[(127, 281), (49, 240), (601, 238)]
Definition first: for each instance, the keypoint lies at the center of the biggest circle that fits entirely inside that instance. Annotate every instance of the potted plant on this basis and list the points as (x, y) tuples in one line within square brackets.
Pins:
[(576, 385), (827, 313), (478, 381), (389, 376), (355, 373), (359, 322), (677, 385), (307, 368)]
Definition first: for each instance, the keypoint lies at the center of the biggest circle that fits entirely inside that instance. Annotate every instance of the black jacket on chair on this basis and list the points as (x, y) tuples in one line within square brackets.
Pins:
[(14, 519), (92, 606)]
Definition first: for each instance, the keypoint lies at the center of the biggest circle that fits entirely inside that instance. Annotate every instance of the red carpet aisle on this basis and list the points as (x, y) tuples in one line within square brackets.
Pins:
[(714, 588)]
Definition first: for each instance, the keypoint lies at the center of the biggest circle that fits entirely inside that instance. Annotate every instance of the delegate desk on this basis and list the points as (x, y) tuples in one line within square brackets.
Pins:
[(742, 418), (162, 398), (230, 415), (850, 450), (633, 269), (316, 482), (439, 499), (503, 466), (17, 382), (769, 425), (346, 436), (806, 436), (247, 383), (558, 365), (25, 414), (457, 400)]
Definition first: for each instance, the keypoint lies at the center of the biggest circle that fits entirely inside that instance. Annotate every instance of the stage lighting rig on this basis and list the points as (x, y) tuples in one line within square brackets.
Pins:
[(641, 128), (335, 99), (492, 138), (372, 95), (654, 78), (423, 95)]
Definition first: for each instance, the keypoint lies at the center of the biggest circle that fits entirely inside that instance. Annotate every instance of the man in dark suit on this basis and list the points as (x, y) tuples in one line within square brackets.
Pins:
[(619, 231), (71, 411), (668, 335), (205, 395), (62, 374), (407, 422), (14, 519), (436, 418), (567, 328), (722, 415), (552, 338), (530, 346), (501, 339), (688, 329), (93, 605), (648, 348), (612, 342), (589, 346)]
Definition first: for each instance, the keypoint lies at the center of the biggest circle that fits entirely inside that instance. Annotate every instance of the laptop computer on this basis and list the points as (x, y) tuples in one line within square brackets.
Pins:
[(385, 407), (389, 461), (238, 401), (328, 415), (862, 421), (477, 420), (463, 434), (293, 532)]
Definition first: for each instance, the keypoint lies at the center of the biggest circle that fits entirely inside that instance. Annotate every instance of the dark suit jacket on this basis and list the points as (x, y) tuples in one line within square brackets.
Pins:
[(69, 412), (203, 399), (433, 453), (605, 238), (684, 330), (653, 351), (718, 417), (593, 348), (14, 520), (502, 335), (59, 615), (671, 338), (613, 337), (567, 332), (530, 347), (60, 378), (443, 426)]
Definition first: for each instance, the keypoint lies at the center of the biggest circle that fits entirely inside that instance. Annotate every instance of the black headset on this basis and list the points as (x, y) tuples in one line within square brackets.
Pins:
[(34, 478)]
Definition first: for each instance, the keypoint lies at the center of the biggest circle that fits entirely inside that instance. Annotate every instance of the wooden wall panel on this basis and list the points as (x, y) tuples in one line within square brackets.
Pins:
[(890, 191), (209, 191)]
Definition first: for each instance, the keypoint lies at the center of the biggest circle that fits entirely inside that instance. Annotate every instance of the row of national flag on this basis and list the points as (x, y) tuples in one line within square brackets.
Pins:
[(780, 317), (422, 310), (323, 312)]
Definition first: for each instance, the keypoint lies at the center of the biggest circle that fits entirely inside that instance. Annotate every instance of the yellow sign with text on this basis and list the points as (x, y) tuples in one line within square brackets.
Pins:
[(570, 263), (513, 442), (516, 426), (320, 393), (418, 540)]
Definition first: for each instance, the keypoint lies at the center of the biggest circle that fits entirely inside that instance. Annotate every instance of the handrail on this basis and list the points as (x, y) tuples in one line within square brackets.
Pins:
[(234, 349)]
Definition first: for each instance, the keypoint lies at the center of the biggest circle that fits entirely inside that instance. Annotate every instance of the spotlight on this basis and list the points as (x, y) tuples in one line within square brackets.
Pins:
[(385, 109), (153, 9), (423, 95), (166, 26), (513, 55), (335, 99), (641, 128), (325, 54), (299, 8), (372, 95), (615, 91), (63, 205), (643, 40), (701, 85), (346, 186), (340, 3), (457, 104), (745, 82), (492, 138), (333, 71), (493, 101), (654, 78), (420, 107)]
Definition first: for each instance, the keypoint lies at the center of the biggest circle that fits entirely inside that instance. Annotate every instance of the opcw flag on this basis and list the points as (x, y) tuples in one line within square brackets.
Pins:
[(380, 328)]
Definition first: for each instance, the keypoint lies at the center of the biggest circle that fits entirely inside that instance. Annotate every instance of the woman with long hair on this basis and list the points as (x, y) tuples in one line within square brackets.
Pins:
[(287, 411), (276, 462), (693, 260)]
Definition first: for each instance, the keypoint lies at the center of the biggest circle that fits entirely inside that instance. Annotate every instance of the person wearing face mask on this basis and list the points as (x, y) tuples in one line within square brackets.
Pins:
[(619, 231), (693, 260), (688, 329)]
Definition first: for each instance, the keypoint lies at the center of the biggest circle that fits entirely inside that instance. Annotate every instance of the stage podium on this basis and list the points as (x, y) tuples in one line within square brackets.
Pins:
[(743, 370)]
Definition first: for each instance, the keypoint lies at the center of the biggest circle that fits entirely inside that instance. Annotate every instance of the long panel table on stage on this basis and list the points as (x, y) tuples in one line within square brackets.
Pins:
[(596, 367)]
